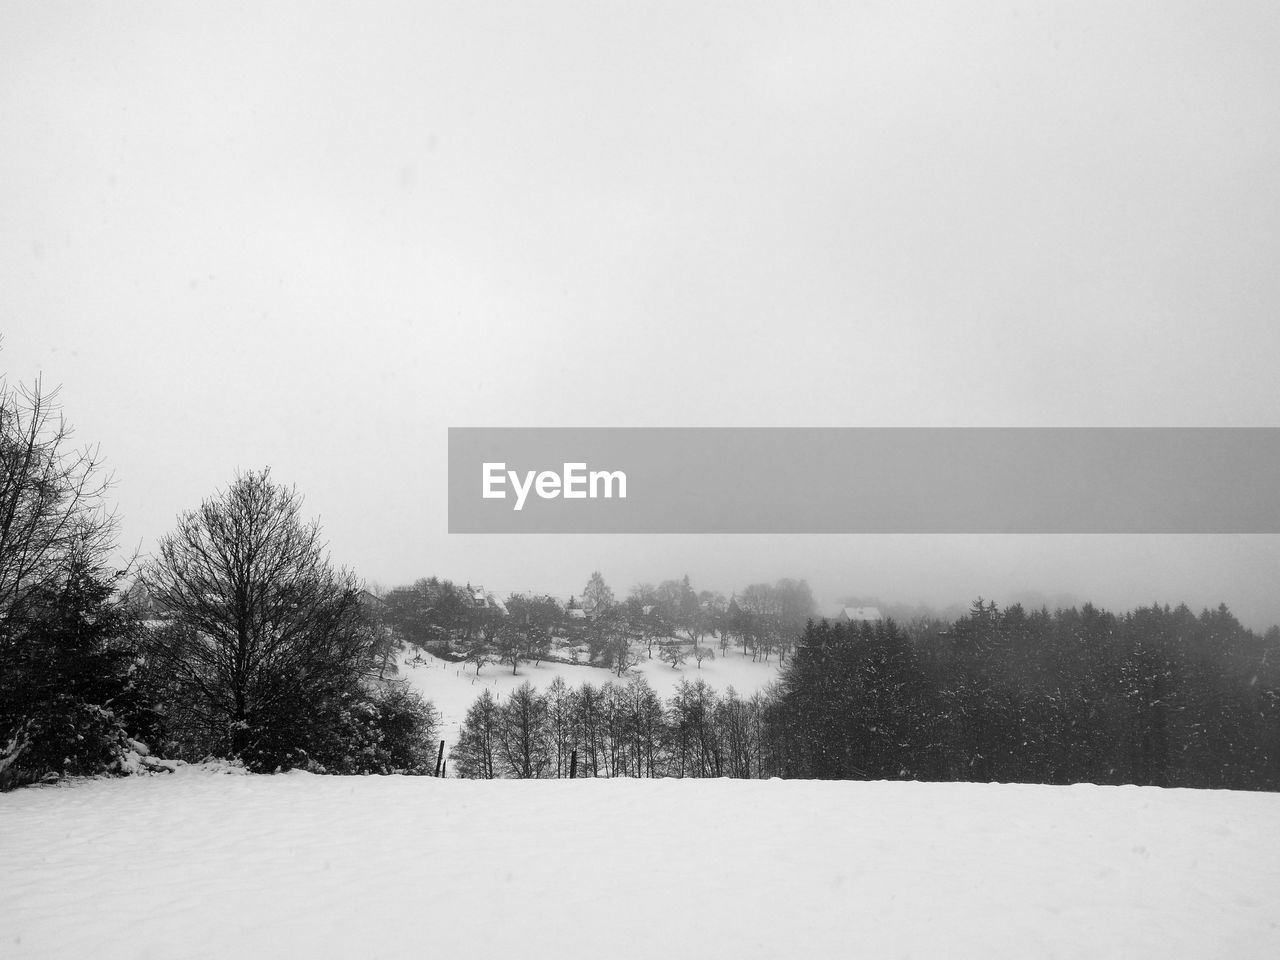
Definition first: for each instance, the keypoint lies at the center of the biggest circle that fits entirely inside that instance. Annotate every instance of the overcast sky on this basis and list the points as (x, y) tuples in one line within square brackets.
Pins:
[(315, 236)]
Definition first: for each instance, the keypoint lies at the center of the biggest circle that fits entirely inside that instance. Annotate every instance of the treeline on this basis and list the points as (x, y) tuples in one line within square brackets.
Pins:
[(1157, 696), (238, 639)]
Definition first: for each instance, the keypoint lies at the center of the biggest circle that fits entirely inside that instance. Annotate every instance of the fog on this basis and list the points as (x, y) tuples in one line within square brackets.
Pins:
[(316, 237)]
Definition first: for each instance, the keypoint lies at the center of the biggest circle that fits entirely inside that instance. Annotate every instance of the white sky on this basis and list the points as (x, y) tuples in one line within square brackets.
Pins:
[(317, 235)]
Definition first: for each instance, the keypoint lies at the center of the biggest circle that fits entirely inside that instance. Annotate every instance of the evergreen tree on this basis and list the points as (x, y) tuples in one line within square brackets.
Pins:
[(73, 699), (475, 755)]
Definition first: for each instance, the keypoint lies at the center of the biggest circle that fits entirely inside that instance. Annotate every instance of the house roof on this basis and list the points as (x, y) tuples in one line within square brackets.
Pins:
[(480, 597), (371, 599)]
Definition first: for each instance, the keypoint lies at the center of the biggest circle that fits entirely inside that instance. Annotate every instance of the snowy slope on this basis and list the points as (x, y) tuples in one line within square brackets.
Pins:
[(453, 687), (199, 865)]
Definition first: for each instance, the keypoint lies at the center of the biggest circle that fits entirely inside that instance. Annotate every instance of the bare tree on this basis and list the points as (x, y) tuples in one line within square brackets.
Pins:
[(52, 510), (561, 706), (510, 644), (622, 655), (387, 644), (609, 636), (597, 597), (264, 628), (536, 617), (475, 755), (523, 733), (477, 651), (673, 653)]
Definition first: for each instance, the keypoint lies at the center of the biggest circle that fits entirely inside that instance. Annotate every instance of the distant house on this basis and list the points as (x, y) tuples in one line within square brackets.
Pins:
[(581, 607), (859, 615), (483, 599), (372, 603), (588, 605)]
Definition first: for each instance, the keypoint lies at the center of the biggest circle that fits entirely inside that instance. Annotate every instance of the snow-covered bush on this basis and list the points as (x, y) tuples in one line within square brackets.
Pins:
[(389, 729)]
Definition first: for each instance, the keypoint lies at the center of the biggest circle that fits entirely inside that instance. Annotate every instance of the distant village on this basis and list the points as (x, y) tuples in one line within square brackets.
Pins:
[(671, 620)]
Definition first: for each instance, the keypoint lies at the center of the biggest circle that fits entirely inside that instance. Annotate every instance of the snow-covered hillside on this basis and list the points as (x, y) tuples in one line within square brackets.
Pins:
[(199, 865), (453, 687)]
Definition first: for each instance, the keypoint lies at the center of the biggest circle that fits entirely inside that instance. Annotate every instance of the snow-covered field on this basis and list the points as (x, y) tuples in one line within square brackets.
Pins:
[(453, 687), (204, 865)]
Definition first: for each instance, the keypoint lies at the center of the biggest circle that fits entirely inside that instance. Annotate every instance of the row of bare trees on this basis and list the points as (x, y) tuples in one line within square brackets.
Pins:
[(616, 730)]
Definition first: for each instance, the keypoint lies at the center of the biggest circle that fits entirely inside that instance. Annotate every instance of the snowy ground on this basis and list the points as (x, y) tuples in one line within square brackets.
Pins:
[(202, 865), (453, 687)]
